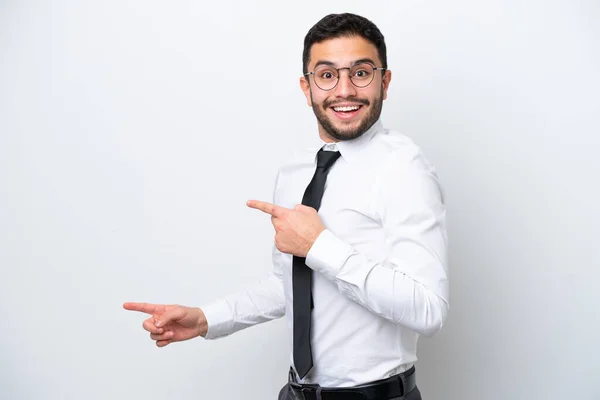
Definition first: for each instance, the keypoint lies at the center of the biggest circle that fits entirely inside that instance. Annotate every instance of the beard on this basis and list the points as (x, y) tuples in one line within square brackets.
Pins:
[(348, 133)]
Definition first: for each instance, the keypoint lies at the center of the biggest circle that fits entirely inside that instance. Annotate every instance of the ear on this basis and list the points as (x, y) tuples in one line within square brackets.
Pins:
[(387, 78), (305, 86)]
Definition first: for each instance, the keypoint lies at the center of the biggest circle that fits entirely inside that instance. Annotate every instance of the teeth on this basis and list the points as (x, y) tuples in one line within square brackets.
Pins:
[(349, 108)]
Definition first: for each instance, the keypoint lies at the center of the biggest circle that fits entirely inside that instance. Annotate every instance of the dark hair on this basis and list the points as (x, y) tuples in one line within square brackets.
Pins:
[(335, 26)]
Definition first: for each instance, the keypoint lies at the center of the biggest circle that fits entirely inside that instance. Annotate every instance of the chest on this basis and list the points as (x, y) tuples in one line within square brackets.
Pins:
[(349, 203)]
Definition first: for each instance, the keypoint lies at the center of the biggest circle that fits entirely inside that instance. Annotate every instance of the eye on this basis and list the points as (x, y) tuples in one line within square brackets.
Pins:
[(327, 75)]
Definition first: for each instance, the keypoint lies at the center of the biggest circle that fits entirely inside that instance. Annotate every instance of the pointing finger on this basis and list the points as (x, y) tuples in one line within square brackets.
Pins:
[(265, 207), (141, 307)]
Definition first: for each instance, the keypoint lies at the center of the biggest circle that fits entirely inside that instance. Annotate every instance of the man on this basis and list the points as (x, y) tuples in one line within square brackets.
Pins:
[(361, 278)]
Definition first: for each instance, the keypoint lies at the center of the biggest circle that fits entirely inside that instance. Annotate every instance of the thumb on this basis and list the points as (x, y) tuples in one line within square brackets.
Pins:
[(172, 314)]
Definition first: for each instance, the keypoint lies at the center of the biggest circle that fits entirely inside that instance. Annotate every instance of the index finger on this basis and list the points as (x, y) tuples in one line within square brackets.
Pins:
[(141, 307), (265, 207)]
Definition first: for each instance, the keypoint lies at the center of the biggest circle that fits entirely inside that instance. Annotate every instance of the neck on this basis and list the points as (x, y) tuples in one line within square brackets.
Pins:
[(325, 136)]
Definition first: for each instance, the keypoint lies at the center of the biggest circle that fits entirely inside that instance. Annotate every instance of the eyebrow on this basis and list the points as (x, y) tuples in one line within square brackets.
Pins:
[(332, 64)]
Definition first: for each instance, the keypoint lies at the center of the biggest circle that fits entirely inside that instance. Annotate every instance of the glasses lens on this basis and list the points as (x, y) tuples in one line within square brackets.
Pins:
[(326, 77), (362, 74)]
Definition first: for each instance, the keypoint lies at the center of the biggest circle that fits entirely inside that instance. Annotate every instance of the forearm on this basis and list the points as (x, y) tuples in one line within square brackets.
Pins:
[(255, 304), (391, 289)]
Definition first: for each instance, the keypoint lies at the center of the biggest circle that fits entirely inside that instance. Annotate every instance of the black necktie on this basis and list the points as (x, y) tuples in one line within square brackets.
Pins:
[(302, 275)]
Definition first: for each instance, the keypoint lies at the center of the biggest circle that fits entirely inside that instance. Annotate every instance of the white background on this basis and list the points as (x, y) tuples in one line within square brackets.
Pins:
[(133, 132)]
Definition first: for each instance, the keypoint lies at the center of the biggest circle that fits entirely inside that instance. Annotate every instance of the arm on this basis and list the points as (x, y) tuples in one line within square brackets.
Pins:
[(170, 323), (410, 286), (256, 304)]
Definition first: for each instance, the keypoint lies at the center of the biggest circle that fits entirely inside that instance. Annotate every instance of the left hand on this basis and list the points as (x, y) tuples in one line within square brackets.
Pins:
[(295, 229)]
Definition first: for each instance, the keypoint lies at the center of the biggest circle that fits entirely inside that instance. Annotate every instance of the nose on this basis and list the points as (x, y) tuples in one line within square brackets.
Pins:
[(345, 88)]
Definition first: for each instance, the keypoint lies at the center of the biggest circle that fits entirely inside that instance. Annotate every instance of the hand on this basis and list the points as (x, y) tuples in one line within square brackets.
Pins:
[(295, 229), (171, 323)]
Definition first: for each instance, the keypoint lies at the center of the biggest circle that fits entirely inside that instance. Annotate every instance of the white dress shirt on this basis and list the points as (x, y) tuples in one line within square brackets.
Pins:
[(380, 268)]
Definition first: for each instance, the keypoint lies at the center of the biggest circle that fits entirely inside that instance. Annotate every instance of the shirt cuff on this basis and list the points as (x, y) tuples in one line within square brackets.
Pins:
[(219, 318), (328, 254)]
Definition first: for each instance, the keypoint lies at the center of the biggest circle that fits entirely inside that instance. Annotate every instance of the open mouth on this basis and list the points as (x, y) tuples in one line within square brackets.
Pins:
[(346, 111)]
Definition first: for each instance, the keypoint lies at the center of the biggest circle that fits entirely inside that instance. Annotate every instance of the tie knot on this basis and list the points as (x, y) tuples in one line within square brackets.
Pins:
[(326, 158)]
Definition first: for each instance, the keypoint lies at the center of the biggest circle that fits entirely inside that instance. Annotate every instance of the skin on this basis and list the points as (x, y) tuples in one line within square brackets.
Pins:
[(171, 323), (343, 52), (298, 228)]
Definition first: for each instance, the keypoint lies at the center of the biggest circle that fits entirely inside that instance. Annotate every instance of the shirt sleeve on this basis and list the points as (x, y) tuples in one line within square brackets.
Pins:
[(255, 304), (258, 303), (410, 285)]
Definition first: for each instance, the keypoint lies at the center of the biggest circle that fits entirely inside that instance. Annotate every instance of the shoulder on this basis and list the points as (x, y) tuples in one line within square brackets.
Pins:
[(404, 170), (397, 153)]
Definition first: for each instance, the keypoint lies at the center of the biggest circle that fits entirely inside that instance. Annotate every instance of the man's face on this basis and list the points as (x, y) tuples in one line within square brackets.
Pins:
[(346, 111)]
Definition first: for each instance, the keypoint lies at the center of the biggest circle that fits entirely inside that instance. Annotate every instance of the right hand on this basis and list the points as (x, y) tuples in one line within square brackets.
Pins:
[(171, 323)]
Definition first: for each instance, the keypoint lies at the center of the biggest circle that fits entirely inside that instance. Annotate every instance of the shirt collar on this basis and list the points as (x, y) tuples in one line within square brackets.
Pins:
[(350, 149)]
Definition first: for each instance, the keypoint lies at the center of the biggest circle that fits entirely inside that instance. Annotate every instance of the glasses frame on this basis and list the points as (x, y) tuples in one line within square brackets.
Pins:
[(349, 77)]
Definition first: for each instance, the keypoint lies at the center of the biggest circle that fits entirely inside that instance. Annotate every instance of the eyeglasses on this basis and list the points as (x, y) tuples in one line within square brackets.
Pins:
[(327, 77)]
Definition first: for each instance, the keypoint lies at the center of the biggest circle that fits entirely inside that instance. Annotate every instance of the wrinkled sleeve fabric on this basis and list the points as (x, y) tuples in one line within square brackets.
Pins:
[(410, 285), (258, 303)]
